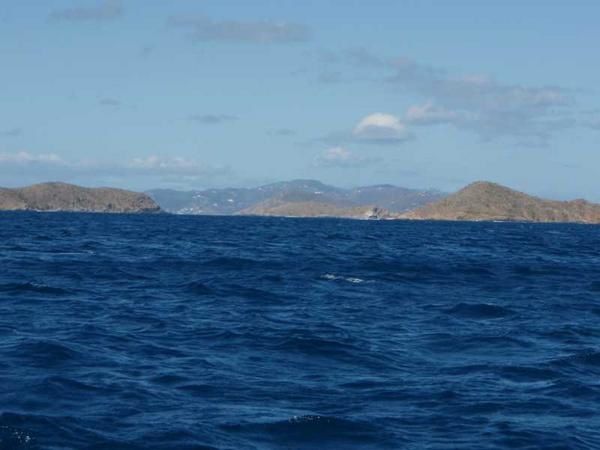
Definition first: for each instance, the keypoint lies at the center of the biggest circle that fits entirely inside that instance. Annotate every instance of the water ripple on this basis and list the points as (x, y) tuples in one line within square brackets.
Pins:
[(168, 332)]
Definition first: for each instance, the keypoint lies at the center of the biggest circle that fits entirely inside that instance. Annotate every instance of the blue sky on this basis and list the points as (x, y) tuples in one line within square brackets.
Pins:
[(205, 93)]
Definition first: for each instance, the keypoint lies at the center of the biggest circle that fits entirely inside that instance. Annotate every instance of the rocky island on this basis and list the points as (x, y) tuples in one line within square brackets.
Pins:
[(481, 201), (69, 197)]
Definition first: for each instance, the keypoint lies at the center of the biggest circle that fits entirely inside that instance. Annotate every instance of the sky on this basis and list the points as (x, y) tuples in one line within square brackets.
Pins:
[(194, 94)]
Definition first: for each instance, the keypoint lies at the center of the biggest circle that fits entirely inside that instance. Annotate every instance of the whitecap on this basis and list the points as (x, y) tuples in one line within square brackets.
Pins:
[(330, 276), (354, 280)]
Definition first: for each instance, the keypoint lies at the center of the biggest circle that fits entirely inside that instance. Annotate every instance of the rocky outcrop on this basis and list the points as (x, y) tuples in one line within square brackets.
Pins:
[(68, 197)]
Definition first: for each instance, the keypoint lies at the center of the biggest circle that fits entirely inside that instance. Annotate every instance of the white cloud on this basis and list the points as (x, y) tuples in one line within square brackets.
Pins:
[(380, 127)]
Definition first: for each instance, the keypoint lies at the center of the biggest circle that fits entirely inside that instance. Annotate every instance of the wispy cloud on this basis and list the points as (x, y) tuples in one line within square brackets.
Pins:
[(11, 132), (149, 171), (340, 157), (481, 104), (474, 103), (330, 77), (176, 165), (334, 67), (110, 102), (147, 50), (594, 123), (212, 119), (259, 32), (25, 158), (363, 58), (105, 10), (430, 114), (282, 132)]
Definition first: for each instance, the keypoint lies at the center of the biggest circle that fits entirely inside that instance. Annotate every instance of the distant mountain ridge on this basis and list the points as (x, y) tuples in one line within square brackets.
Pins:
[(490, 201), (69, 197), (257, 201)]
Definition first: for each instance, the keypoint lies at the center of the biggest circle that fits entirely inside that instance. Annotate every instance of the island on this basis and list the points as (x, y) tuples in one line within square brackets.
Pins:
[(485, 201), (72, 198), (479, 201)]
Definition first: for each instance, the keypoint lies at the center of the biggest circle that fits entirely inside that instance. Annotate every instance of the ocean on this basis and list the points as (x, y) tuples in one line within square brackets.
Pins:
[(182, 332)]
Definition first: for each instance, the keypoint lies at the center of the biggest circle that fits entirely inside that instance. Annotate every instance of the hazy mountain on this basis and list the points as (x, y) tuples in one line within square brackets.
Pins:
[(490, 201), (235, 201), (68, 197)]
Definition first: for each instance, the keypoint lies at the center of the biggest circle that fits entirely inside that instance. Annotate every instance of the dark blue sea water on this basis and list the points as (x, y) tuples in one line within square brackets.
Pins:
[(167, 332)]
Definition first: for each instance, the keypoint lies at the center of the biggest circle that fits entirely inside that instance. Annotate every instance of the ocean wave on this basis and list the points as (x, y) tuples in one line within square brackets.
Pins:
[(320, 431), (354, 280), (46, 353), (388, 335), (479, 311), (198, 288), (30, 287), (479, 344), (15, 439), (527, 374)]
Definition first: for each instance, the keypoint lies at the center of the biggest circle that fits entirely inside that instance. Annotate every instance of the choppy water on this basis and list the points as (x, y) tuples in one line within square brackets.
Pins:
[(167, 332)]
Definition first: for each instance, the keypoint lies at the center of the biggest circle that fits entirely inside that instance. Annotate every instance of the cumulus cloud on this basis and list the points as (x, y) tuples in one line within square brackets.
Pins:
[(374, 129), (212, 119), (258, 32), (106, 10), (341, 157), (381, 128)]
